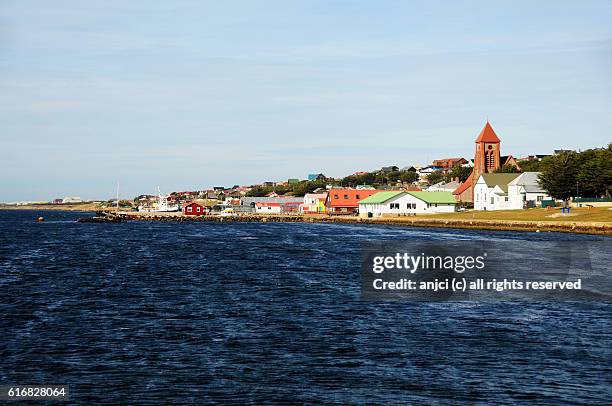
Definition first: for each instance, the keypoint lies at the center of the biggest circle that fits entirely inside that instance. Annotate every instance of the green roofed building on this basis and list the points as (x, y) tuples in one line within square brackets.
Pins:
[(435, 197), (400, 203)]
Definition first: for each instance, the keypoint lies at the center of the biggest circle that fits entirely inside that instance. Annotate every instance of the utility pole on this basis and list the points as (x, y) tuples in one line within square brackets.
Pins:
[(576, 188)]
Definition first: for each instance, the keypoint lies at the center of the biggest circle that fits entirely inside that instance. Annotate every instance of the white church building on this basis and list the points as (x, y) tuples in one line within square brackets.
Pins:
[(508, 191)]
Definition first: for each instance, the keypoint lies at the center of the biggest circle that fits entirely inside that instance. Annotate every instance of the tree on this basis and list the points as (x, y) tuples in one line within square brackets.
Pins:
[(559, 173), (530, 165), (588, 173), (300, 189), (507, 168), (408, 176), (459, 172), (259, 191), (595, 174), (435, 177)]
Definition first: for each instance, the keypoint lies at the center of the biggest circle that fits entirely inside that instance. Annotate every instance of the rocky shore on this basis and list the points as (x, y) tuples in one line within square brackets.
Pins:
[(598, 228)]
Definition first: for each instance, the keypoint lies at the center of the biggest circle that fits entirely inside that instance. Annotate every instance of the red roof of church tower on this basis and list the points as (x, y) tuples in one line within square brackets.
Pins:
[(487, 134)]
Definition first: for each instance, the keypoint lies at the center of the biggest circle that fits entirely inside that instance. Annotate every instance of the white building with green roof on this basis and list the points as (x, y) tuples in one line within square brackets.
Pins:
[(400, 203)]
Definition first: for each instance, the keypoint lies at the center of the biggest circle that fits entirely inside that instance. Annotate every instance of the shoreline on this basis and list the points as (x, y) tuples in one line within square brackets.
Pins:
[(571, 227), (595, 228)]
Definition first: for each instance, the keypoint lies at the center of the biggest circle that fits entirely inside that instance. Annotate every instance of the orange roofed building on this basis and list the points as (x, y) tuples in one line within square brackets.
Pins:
[(346, 201), (486, 160)]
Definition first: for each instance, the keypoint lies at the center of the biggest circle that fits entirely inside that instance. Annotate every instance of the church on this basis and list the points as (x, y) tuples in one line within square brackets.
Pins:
[(487, 159)]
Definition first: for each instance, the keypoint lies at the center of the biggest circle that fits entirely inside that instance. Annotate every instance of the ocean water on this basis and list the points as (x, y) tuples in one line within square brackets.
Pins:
[(197, 313)]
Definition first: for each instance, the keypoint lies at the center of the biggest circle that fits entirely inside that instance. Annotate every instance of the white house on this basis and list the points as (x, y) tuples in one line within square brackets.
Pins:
[(406, 203), (525, 191), (491, 191), (508, 191), (313, 203), (268, 207), (426, 171)]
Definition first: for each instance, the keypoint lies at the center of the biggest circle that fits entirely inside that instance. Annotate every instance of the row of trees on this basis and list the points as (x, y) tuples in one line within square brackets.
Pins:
[(297, 189), (379, 178), (457, 172), (585, 174), (376, 179)]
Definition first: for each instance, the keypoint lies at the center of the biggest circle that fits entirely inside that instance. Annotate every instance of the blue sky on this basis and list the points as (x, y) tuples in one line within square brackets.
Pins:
[(191, 94)]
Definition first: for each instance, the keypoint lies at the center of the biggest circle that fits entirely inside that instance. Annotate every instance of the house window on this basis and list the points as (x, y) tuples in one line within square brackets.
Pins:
[(492, 200), (506, 198), (540, 198), (189, 209), (394, 206), (198, 209), (346, 196), (335, 196), (358, 197)]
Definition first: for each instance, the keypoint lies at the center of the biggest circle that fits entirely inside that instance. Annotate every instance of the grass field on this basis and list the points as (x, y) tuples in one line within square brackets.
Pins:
[(594, 214)]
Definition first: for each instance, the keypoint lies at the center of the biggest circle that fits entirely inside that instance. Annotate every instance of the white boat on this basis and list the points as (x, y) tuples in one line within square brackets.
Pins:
[(161, 205)]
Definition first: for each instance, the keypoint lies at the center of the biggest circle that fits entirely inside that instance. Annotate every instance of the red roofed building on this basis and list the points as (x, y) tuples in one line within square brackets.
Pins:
[(267, 207), (486, 160), (346, 201)]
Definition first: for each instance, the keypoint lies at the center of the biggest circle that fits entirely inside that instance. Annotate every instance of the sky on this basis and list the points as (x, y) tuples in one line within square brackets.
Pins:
[(186, 95)]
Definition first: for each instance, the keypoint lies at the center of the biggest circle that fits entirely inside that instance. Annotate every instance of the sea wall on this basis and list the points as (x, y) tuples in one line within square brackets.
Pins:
[(600, 228)]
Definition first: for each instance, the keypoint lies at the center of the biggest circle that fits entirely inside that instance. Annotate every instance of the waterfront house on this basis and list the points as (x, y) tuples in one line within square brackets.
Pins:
[(345, 201), (400, 203), (286, 203), (267, 208), (194, 209), (525, 191), (313, 203), (491, 191)]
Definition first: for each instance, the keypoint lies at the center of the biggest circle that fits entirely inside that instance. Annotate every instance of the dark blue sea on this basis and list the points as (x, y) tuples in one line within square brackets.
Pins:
[(199, 313)]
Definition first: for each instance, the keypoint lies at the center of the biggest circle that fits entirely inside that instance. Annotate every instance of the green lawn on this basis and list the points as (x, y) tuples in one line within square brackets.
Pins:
[(576, 214)]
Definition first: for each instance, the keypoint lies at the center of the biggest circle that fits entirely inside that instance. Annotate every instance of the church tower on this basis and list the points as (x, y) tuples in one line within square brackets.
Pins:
[(486, 157), (486, 160)]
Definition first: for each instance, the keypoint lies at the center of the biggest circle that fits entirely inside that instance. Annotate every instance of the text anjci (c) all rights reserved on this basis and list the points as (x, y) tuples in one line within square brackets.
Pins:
[(477, 284)]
